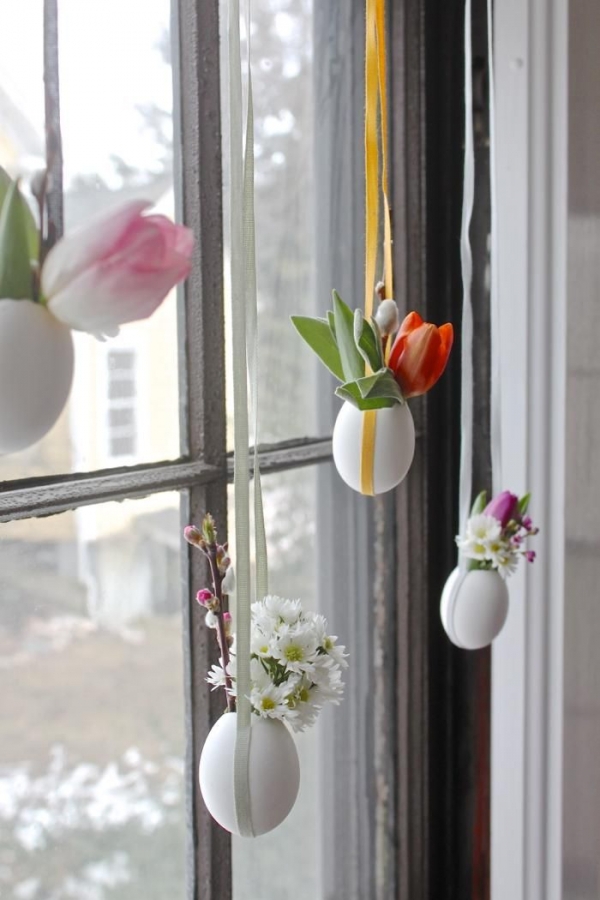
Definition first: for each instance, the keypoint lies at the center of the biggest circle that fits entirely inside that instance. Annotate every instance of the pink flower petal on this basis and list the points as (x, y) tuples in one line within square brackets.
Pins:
[(83, 246)]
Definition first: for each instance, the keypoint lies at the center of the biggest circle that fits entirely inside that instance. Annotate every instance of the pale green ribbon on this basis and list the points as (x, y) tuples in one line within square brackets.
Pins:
[(466, 260), (245, 363), (466, 452)]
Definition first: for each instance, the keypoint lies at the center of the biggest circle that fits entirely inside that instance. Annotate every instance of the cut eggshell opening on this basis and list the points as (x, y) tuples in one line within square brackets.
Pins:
[(394, 445), (273, 772), (474, 607), (36, 371)]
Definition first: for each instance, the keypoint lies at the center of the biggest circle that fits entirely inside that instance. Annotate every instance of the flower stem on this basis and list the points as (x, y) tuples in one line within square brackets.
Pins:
[(217, 579)]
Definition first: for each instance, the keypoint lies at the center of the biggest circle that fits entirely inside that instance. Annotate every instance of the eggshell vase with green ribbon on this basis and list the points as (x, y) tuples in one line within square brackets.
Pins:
[(273, 773), (379, 365), (36, 371)]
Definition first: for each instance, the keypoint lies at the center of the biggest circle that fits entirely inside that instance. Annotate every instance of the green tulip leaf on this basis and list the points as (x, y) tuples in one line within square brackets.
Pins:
[(480, 504), (317, 334), (33, 235), (352, 362), (524, 504), (16, 279), (367, 341), (351, 393)]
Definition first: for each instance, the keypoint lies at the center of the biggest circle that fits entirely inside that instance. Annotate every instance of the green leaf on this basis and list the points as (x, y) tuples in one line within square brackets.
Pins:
[(16, 281), (524, 504), (367, 341), (317, 334), (480, 504), (351, 393), (382, 385), (331, 321), (33, 235), (352, 362)]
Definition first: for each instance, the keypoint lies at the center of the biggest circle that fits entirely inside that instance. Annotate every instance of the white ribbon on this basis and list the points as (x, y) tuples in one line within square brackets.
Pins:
[(245, 363), (496, 384), (466, 260), (466, 449)]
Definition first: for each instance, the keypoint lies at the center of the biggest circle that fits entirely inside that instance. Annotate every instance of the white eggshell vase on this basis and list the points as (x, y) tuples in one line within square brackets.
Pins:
[(36, 371), (274, 773), (474, 607), (394, 445)]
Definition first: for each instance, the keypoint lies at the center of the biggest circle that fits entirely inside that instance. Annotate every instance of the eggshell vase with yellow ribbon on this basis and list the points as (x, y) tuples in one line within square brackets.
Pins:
[(474, 607), (36, 371), (273, 773), (393, 450)]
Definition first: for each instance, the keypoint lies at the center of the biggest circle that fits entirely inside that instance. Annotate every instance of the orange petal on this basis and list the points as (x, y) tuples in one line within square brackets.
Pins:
[(412, 321)]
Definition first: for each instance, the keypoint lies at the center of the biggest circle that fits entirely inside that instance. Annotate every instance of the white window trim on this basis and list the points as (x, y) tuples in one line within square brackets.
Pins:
[(527, 703)]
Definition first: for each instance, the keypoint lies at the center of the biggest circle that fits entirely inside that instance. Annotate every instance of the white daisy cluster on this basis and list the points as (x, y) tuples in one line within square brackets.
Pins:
[(493, 544), (296, 667), (484, 541)]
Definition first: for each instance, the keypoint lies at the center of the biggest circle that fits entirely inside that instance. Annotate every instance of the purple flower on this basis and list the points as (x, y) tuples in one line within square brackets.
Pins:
[(530, 555), (503, 507), (527, 523)]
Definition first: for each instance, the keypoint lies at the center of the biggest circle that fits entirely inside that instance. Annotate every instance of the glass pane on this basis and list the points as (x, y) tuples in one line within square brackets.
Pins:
[(284, 107), (116, 105), (91, 756), (581, 823), (318, 850)]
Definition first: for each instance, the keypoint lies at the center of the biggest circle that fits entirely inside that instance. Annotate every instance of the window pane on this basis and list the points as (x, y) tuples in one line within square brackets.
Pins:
[(91, 756), (323, 849), (116, 105), (284, 107)]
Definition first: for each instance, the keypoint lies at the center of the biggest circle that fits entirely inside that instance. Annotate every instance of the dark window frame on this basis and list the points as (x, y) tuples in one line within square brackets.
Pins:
[(429, 839)]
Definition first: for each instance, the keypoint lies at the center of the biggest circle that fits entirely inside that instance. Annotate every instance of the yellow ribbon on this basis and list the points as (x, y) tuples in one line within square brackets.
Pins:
[(375, 97)]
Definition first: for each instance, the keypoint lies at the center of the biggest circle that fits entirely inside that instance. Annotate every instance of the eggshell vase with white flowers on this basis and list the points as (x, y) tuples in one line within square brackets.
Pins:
[(475, 599), (295, 670), (115, 269), (380, 364)]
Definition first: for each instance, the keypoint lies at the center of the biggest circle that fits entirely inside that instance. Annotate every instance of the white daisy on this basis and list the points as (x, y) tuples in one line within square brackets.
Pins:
[(507, 564), (216, 677), (337, 652), (288, 611), (269, 701), (296, 648)]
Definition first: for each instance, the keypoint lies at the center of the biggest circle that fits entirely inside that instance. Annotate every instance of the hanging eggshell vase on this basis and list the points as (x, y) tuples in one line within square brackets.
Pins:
[(36, 371), (394, 445), (273, 773), (474, 607)]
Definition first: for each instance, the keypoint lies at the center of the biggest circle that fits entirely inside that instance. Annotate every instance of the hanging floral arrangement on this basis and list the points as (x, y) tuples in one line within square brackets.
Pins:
[(295, 670), (380, 363), (115, 269), (475, 600)]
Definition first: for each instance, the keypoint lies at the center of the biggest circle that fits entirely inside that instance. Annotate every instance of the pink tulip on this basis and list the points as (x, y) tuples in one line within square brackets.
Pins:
[(118, 268), (503, 507)]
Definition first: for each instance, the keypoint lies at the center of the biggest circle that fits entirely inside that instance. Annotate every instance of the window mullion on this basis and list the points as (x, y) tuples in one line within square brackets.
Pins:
[(202, 390)]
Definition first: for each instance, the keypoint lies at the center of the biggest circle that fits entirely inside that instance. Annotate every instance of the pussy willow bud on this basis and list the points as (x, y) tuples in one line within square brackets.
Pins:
[(228, 584), (38, 184), (387, 317), (193, 536), (211, 620)]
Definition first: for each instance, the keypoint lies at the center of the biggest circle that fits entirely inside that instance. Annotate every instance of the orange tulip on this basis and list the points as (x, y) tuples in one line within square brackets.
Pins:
[(419, 354)]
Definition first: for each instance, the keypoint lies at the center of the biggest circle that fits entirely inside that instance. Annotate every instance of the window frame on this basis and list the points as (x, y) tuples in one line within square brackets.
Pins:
[(428, 700)]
